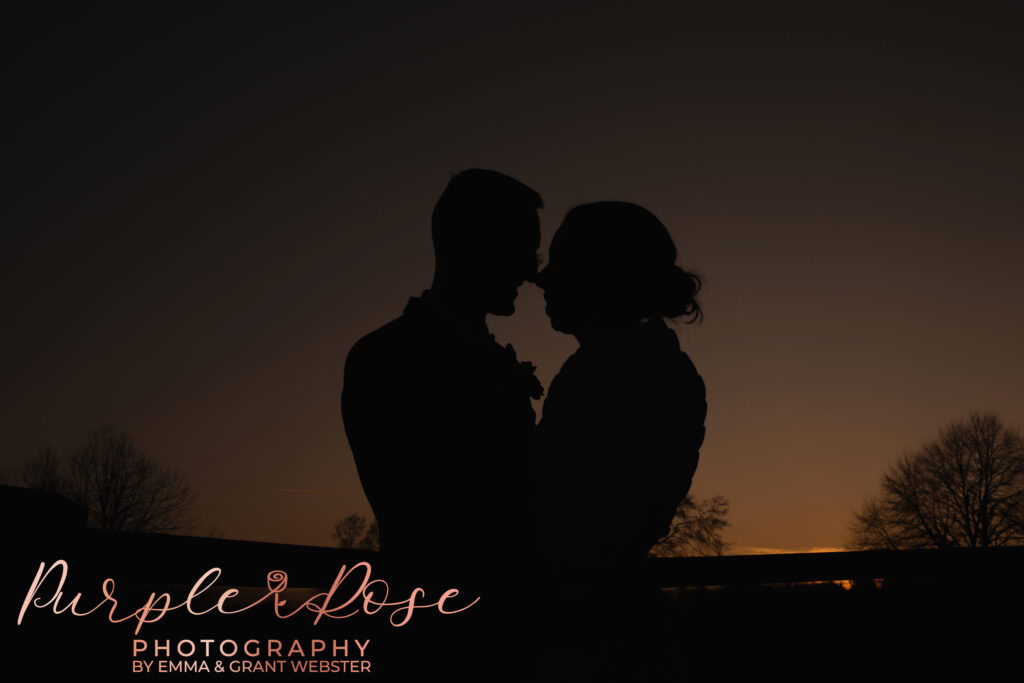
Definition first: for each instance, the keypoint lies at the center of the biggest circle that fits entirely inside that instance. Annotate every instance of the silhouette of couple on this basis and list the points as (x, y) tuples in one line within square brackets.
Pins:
[(549, 524)]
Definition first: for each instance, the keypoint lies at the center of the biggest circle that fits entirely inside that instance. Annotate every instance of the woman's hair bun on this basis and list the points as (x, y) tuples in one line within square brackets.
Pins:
[(676, 295)]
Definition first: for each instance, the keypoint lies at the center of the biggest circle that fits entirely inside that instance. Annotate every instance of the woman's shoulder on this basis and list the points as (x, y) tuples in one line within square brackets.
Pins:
[(646, 367), (653, 351)]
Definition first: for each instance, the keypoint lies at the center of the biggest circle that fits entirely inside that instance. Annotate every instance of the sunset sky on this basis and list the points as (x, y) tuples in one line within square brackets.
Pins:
[(204, 210)]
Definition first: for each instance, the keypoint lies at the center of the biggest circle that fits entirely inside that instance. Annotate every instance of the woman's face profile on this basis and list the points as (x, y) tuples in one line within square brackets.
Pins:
[(558, 300), (575, 298)]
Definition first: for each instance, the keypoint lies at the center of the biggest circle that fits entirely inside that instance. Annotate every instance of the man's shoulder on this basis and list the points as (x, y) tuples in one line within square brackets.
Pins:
[(387, 344), (391, 335), (405, 342)]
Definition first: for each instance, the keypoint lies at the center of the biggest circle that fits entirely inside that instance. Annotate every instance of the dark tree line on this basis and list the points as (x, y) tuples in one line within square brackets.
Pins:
[(696, 530), (121, 488)]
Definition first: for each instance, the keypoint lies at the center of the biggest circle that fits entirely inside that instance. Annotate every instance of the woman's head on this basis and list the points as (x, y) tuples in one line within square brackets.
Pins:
[(612, 263)]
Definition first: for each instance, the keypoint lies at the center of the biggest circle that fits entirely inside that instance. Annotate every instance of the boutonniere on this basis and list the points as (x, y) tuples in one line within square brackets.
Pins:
[(525, 374)]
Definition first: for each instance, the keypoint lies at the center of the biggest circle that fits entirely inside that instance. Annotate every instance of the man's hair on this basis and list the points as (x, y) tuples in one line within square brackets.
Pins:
[(479, 199)]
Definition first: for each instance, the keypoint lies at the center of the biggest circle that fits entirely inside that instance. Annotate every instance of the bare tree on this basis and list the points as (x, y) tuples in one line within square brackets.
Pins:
[(963, 490), (42, 471), (357, 532), (696, 529), (122, 489)]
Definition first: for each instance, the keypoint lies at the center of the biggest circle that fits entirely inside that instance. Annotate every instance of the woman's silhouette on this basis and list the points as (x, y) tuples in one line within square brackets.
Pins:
[(619, 440)]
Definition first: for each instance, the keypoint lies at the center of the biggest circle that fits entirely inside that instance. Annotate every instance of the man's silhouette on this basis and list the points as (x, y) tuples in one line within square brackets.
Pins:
[(438, 415)]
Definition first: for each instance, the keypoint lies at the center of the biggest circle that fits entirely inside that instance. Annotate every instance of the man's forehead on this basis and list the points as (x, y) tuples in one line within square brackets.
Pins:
[(520, 226)]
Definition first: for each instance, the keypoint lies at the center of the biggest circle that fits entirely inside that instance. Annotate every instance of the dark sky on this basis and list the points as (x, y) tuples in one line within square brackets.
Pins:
[(206, 207)]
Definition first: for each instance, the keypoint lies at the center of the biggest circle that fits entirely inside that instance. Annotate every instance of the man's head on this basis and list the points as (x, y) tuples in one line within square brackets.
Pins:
[(486, 236)]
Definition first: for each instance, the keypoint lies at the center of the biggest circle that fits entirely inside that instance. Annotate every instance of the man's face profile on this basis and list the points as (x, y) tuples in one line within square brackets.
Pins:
[(486, 236), (508, 261)]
